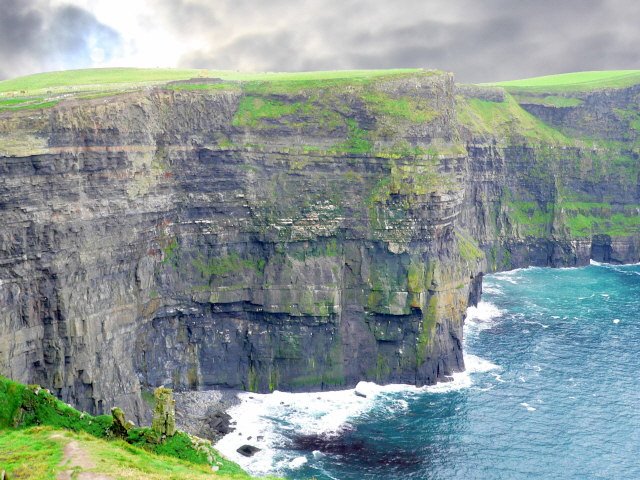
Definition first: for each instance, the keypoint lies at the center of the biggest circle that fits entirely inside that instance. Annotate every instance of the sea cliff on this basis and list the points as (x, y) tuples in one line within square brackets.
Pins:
[(290, 232)]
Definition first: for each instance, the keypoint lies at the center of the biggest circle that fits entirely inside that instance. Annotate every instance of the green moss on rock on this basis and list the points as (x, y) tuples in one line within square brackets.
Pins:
[(164, 412)]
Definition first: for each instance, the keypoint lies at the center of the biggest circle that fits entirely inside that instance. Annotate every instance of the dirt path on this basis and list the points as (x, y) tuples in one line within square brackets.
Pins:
[(77, 458)]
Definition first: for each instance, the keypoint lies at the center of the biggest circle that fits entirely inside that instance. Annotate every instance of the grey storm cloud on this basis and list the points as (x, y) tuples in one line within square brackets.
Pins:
[(37, 36), (477, 40)]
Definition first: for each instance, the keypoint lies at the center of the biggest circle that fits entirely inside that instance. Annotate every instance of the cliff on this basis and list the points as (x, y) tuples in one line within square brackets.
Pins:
[(291, 232)]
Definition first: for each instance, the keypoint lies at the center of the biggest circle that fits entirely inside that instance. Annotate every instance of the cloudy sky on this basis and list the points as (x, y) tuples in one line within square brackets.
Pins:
[(478, 40)]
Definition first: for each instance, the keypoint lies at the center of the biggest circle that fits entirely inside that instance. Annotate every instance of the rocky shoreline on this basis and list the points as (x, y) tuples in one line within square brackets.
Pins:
[(204, 413)]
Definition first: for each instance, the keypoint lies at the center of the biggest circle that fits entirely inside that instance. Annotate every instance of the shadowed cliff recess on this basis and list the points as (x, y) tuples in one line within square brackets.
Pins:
[(302, 231)]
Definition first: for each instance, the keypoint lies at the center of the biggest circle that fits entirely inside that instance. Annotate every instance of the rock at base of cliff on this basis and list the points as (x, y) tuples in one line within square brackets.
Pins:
[(217, 423), (248, 450)]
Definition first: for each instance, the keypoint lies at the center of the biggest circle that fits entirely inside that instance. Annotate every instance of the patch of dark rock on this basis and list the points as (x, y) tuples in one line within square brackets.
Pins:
[(331, 444), (359, 450), (248, 450), (218, 421)]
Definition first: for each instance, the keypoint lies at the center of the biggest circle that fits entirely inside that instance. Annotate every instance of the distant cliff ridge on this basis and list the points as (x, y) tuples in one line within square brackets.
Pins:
[(288, 231)]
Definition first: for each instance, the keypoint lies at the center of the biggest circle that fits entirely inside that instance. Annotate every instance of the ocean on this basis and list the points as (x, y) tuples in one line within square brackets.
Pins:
[(551, 390)]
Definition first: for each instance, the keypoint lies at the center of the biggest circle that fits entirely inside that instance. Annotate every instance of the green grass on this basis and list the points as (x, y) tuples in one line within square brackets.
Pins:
[(508, 117), (532, 220), (11, 102), (45, 90), (584, 219), (105, 77), (254, 109), (70, 80), (95, 77), (429, 320), (577, 81), (30, 454), (468, 247), (408, 108), (204, 86), (226, 265), (25, 103), (298, 83), (631, 115), (36, 453), (24, 407), (551, 101), (358, 142)]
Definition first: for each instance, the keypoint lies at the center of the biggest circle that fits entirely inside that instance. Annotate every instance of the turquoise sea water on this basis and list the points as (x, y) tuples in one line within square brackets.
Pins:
[(553, 392)]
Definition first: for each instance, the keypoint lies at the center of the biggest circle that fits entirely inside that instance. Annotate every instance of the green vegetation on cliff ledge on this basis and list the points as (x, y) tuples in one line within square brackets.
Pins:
[(399, 107), (227, 264), (584, 219), (35, 426), (339, 108), (550, 101), (506, 119), (529, 217)]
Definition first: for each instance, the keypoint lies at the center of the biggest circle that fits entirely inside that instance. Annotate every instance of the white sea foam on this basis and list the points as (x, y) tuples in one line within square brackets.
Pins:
[(513, 276), (297, 462), (508, 277), (492, 289), (481, 317), (528, 407), (484, 312), (610, 265), (499, 378), (272, 417), (533, 322)]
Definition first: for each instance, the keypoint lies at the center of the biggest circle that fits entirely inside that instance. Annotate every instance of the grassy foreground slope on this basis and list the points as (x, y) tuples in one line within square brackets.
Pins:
[(43, 453), (36, 430)]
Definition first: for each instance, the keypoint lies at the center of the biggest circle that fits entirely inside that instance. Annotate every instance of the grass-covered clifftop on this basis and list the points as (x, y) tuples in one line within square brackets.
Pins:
[(40, 437), (45, 90), (575, 82)]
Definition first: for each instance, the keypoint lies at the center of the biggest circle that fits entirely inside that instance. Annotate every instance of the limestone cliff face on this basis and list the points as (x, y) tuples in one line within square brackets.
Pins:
[(280, 235), (558, 192)]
